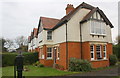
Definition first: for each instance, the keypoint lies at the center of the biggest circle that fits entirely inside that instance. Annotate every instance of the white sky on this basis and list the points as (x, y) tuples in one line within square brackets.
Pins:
[(19, 17)]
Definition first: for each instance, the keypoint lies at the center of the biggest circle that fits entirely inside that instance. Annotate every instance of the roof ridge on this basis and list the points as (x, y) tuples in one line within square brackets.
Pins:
[(49, 18)]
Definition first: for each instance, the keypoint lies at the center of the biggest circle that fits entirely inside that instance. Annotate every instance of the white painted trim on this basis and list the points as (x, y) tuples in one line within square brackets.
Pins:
[(105, 52), (92, 52)]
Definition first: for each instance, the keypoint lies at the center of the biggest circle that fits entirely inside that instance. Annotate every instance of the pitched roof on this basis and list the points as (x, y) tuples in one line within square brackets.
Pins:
[(35, 32), (48, 23), (68, 16), (83, 5), (87, 17)]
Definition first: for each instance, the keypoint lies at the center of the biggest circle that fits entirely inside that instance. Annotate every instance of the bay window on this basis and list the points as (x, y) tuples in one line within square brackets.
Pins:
[(49, 53)]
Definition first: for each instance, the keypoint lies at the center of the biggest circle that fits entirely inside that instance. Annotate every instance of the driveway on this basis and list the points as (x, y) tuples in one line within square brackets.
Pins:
[(115, 71)]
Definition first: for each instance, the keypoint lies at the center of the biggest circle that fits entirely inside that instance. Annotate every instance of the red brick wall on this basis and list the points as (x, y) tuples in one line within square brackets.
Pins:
[(62, 58), (86, 51), (45, 61), (101, 63), (74, 51)]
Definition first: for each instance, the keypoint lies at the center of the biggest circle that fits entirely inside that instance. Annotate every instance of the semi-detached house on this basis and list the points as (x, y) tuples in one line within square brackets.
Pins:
[(84, 33)]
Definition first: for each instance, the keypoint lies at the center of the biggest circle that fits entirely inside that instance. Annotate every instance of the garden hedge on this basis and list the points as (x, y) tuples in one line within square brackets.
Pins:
[(29, 58), (79, 65), (113, 59), (116, 49)]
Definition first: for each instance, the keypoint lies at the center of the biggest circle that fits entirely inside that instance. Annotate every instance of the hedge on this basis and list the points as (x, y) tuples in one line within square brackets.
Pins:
[(79, 65), (29, 58), (116, 49), (113, 59)]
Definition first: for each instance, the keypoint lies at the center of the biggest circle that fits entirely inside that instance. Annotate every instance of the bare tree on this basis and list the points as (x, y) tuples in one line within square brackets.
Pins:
[(9, 43), (21, 41)]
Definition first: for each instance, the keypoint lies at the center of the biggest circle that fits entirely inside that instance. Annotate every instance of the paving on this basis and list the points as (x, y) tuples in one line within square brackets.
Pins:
[(115, 71)]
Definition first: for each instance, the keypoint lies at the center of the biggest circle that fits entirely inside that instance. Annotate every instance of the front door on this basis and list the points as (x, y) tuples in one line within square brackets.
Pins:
[(54, 56)]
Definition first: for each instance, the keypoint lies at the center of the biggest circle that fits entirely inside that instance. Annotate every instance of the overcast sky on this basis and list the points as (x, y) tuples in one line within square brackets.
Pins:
[(19, 17)]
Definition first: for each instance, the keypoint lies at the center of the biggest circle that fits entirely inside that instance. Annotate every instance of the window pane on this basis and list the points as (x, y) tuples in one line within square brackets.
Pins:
[(91, 55), (49, 35), (98, 55), (104, 54), (49, 54), (97, 27), (91, 48)]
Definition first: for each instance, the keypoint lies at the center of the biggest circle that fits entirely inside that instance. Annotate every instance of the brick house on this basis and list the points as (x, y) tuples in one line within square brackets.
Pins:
[(84, 33)]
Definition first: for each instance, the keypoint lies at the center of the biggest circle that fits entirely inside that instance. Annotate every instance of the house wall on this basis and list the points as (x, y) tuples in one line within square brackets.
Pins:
[(96, 63), (59, 34), (74, 26), (45, 61), (74, 29)]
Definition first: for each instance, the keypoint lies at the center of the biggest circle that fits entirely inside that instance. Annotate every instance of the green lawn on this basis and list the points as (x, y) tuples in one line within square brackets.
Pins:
[(36, 71)]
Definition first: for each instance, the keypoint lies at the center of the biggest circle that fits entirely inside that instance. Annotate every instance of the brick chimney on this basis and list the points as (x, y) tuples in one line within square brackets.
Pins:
[(69, 8)]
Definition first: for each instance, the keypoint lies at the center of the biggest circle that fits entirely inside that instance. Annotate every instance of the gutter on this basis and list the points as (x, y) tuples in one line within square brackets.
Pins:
[(80, 39), (66, 48)]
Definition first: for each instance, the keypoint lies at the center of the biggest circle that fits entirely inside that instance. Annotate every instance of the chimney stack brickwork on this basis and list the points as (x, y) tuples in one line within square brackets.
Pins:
[(69, 8)]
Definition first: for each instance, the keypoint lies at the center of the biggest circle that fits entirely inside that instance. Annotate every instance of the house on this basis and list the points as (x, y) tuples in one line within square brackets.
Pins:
[(83, 33), (32, 41)]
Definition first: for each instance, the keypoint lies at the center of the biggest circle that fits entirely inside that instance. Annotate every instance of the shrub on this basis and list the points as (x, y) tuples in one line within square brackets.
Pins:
[(59, 66), (30, 58), (41, 65), (9, 58), (79, 65), (38, 64), (116, 49), (113, 59)]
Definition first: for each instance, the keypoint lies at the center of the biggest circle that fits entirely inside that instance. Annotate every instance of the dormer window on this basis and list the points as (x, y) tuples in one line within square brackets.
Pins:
[(49, 35), (97, 27)]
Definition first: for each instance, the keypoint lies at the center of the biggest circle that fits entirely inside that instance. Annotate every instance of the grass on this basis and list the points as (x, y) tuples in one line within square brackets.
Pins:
[(36, 71)]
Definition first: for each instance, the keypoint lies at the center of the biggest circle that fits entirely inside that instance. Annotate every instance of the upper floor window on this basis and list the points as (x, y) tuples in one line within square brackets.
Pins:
[(97, 27), (49, 35)]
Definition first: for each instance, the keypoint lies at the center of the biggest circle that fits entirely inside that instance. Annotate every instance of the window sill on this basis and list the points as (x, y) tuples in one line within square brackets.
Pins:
[(57, 59), (97, 34), (100, 60), (50, 40), (49, 59)]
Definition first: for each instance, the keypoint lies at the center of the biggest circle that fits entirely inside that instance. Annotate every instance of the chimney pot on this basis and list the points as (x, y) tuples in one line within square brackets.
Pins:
[(69, 8)]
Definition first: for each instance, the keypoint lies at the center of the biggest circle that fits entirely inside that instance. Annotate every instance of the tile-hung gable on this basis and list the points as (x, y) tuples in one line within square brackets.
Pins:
[(83, 33)]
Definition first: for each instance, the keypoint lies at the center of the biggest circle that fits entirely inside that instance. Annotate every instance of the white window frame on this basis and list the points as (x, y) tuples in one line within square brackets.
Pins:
[(104, 51), (49, 35), (97, 25), (99, 51), (50, 52), (92, 52)]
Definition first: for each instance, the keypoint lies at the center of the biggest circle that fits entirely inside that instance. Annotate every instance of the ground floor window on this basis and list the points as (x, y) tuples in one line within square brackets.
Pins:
[(98, 51), (104, 51), (49, 53), (92, 52)]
